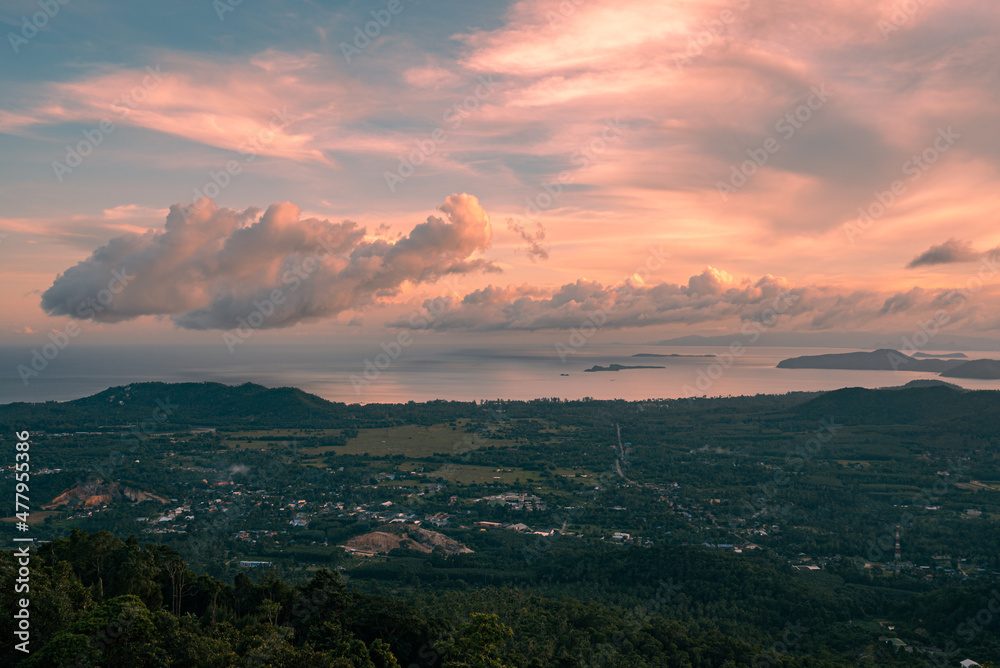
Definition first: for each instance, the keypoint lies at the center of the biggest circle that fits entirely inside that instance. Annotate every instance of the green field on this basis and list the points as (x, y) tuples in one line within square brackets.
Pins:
[(468, 474), (416, 441), (265, 438)]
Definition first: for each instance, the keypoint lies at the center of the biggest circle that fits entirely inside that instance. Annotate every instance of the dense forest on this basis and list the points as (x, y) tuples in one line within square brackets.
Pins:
[(98, 601)]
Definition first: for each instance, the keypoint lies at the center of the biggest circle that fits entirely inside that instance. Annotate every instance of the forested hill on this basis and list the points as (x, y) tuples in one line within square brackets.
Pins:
[(194, 404), (916, 405)]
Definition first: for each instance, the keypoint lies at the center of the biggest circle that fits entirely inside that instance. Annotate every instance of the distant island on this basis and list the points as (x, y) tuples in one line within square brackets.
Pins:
[(619, 367), (884, 359), (975, 370), (887, 359), (944, 356), (667, 355)]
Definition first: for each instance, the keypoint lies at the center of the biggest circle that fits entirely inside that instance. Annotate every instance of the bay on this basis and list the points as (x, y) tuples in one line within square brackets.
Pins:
[(354, 374)]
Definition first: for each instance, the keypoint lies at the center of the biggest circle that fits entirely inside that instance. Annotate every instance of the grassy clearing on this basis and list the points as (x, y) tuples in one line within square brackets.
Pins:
[(400, 483), (976, 486), (467, 474), (416, 441), (580, 474), (263, 438)]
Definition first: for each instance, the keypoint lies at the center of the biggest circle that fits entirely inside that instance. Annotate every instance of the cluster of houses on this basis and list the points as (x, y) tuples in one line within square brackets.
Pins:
[(517, 501), (901, 646), (251, 535), (518, 526), (165, 522)]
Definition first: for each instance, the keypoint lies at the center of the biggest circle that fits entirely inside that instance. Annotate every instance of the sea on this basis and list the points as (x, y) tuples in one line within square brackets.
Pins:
[(426, 372)]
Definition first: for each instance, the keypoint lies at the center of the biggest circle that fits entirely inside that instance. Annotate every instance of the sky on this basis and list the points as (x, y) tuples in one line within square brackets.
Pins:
[(500, 171)]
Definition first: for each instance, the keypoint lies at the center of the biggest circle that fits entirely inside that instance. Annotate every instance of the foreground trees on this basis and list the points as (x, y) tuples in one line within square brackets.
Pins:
[(99, 601)]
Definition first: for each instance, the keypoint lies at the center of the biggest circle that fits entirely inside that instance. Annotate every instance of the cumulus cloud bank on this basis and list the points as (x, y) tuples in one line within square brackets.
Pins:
[(711, 296), (210, 267)]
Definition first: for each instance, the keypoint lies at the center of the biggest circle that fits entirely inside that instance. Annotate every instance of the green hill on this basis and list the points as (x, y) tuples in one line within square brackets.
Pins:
[(178, 404)]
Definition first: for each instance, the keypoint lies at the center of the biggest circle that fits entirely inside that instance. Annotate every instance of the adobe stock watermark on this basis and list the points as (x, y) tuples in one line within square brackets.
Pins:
[(876, 549), (143, 430), (391, 352), (789, 639), (94, 137), (452, 118), (902, 13), (566, 9), (705, 378), (103, 638), (419, 320), (914, 168), (636, 618), (60, 339), (712, 30), (958, 298), (786, 126), (596, 320), (967, 630), (223, 7), (795, 461), (140, 432), (30, 28), (581, 158), (363, 36), (267, 306), (248, 151), (565, 516), (462, 448)]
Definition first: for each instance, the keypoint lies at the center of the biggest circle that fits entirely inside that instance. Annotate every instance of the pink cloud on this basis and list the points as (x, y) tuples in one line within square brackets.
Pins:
[(276, 104), (210, 268)]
